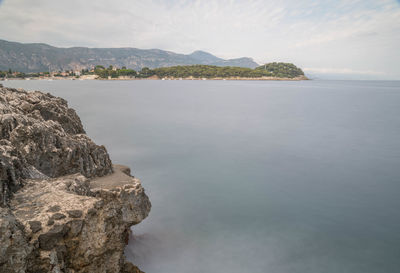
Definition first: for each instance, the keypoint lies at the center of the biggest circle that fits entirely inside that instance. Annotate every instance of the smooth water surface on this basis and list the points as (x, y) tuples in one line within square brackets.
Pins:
[(254, 176)]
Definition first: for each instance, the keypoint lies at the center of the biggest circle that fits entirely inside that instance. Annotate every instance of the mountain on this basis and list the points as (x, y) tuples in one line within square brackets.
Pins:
[(204, 57), (39, 57)]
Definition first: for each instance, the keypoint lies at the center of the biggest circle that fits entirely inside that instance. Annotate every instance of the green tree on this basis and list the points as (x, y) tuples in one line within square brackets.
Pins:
[(146, 72)]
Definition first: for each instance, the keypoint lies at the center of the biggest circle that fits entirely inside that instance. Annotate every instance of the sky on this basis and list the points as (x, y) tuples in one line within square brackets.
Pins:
[(349, 39)]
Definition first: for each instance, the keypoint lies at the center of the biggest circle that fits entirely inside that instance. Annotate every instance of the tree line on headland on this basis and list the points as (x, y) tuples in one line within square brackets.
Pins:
[(273, 70)]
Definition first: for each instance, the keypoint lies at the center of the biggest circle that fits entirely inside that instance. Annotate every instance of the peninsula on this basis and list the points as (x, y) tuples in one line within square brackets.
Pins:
[(270, 71)]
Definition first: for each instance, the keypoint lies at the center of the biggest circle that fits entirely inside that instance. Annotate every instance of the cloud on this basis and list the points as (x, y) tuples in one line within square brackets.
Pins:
[(360, 35)]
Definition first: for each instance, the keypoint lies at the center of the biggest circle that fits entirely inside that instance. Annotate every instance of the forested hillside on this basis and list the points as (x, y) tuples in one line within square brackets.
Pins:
[(43, 57)]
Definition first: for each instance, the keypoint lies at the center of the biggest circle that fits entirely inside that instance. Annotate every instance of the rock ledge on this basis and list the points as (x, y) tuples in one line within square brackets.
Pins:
[(64, 206)]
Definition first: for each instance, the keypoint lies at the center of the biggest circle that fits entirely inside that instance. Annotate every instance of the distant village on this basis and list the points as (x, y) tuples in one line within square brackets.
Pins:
[(96, 72)]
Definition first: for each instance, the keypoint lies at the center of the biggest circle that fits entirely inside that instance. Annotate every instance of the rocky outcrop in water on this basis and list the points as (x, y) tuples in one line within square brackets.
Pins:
[(64, 206)]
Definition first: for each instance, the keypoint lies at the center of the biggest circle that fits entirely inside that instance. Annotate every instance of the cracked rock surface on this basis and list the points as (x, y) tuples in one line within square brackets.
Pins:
[(64, 206)]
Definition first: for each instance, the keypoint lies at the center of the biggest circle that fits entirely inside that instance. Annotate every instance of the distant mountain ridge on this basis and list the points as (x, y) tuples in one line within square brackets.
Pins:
[(38, 57)]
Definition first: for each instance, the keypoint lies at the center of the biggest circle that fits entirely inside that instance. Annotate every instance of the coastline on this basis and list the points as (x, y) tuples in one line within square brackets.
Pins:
[(301, 78)]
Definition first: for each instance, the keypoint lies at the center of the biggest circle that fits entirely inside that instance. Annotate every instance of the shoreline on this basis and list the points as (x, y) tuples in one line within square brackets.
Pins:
[(302, 78)]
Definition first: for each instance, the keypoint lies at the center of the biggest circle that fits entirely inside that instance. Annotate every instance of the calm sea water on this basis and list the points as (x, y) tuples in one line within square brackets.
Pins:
[(254, 176)]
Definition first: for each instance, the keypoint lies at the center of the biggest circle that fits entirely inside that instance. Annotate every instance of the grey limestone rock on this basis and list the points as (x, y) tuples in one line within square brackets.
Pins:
[(74, 213), (41, 137), (62, 207), (55, 208), (49, 240), (14, 246), (58, 216), (35, 226)]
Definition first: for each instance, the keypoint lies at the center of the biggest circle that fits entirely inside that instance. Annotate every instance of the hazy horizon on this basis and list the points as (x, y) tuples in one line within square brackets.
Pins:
[(330, 39)]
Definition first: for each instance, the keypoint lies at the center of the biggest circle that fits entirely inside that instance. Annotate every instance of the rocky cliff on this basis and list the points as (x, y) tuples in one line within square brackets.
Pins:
[(63, 206)]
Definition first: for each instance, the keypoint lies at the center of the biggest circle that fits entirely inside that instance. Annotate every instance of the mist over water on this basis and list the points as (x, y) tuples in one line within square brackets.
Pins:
[(253, 176)]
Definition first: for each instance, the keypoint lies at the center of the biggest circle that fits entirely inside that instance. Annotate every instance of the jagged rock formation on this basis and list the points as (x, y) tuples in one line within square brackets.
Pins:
[(64, 206)]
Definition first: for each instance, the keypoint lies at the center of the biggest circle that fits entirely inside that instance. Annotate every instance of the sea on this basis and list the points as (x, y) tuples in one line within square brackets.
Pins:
[(253, 176)]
